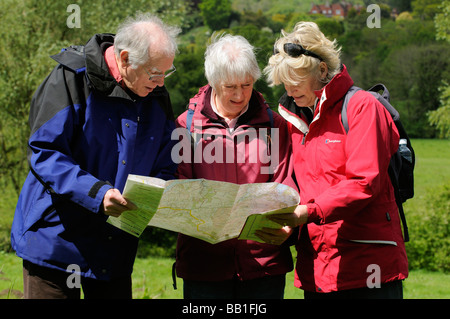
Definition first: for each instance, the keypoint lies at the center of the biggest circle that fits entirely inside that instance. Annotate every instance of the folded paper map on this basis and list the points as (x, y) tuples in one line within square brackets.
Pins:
[(209, 210)]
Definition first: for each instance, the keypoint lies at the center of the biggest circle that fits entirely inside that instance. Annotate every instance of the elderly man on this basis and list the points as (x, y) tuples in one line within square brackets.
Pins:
[(100, 115)]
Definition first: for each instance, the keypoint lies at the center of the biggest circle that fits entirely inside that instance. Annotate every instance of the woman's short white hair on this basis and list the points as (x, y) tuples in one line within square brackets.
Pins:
[(229, 58), (137, 35), (283, 68)]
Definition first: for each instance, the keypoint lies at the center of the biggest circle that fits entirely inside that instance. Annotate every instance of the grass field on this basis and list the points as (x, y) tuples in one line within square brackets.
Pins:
[(152, 278)]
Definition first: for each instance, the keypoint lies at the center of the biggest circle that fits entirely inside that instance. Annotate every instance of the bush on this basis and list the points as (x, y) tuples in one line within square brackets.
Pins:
[(216, 13), (157, 242), (5, 239), (429, 244)]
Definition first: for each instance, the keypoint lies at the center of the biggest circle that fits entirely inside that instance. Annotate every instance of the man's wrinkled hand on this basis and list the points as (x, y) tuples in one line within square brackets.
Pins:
[(115, 204)]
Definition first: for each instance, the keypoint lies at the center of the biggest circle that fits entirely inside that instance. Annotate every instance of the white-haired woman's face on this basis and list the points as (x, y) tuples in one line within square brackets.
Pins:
[(233, 96)]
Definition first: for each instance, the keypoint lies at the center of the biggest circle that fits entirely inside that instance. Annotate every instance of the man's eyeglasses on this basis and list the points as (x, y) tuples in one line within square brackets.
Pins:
[(295, 50), (154, 77)]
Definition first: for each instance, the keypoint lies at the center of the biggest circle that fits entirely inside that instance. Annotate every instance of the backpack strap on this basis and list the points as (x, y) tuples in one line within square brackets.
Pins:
[(347, 98), (269, 112), (383, 98), (381, 87), (398, 200), (189, 116)]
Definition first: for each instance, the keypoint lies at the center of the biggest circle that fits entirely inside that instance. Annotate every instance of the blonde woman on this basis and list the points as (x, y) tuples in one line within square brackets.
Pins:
[(350, 243)]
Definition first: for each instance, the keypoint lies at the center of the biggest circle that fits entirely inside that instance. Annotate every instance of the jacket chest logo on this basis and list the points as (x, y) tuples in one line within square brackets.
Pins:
[(330, 141)]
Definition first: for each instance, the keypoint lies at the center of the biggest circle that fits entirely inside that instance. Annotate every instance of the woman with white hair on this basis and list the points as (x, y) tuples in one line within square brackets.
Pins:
[(238, 139), (350, 238)]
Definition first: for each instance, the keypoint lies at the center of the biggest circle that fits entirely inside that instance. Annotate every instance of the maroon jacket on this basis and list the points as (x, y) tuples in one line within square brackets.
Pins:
[(197, 259), (353, 222)]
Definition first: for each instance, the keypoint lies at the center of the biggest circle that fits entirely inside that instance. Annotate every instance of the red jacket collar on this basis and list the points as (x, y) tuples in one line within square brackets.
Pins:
[(110, 59), (336, 88)]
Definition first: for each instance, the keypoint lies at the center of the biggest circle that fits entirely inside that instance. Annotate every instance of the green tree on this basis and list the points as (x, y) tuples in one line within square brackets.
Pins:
[(400, 5), (425, 9), (215, 13), (407, 58), (429, 228), (332, 28), (442, 22), (441, 117), (189, 76), (413, 74)]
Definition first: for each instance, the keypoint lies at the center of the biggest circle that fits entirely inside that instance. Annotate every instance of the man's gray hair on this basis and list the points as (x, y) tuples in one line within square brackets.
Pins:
[(230, 57), (142, 33)]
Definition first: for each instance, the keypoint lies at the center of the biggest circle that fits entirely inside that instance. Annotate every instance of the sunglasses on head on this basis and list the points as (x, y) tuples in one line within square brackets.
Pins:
[(295, 50)]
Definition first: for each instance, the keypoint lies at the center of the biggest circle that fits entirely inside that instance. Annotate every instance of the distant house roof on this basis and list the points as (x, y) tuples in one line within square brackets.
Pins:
[(334, 10)]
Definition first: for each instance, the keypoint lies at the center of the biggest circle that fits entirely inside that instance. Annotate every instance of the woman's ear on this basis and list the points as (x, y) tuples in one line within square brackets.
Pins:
[(323, 68)]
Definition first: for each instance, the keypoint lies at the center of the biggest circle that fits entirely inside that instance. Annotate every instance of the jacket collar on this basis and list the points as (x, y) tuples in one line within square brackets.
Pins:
[(300, 117), (335, 90), (97, 69), (90, 59), (110, 59)]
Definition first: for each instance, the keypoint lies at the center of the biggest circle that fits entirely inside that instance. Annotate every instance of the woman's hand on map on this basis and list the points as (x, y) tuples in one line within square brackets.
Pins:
[(274, 236), (277, 236)]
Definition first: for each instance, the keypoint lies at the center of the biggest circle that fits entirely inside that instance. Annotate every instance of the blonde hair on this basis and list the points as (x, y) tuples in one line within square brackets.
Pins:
[(283, 68)]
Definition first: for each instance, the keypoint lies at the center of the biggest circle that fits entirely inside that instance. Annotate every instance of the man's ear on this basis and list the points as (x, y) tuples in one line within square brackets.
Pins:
[(124, 59)]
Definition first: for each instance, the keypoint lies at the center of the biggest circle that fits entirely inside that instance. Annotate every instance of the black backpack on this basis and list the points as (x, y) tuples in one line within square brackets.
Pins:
[(400, 168)]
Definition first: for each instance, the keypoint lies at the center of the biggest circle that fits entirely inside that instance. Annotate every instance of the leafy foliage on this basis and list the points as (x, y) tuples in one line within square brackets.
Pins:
[(216, 13), (441, 117), (430, 232)]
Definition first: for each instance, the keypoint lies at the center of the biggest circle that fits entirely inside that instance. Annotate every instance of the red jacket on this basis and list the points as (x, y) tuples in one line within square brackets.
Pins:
[(353, 219), (199, 260)]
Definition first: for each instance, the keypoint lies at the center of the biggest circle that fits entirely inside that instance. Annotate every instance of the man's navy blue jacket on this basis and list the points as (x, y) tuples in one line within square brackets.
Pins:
[(87, 135)]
